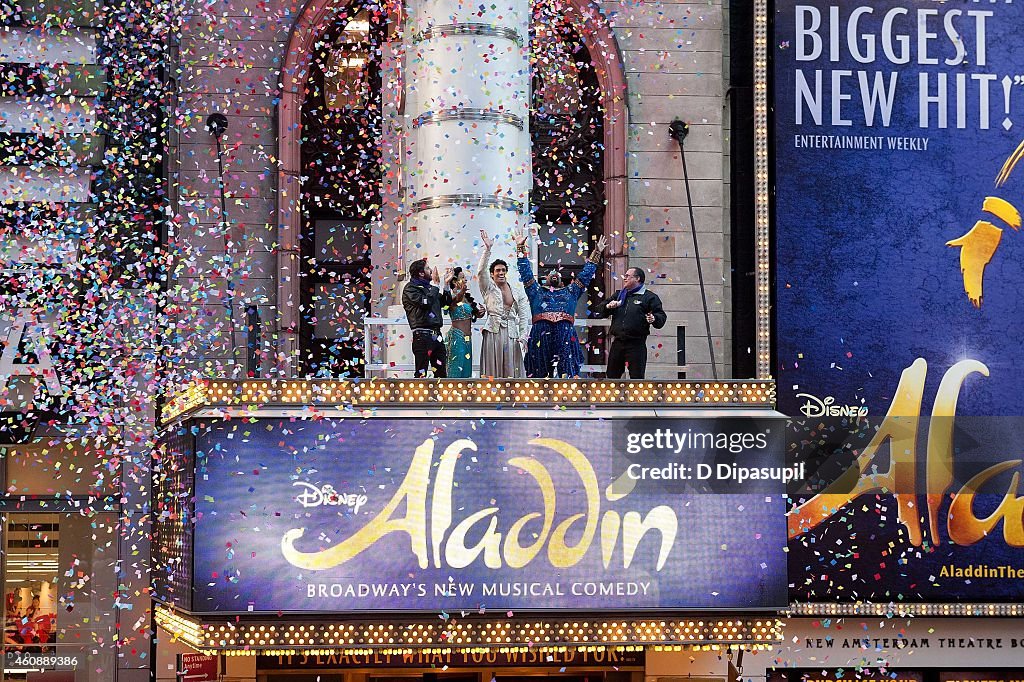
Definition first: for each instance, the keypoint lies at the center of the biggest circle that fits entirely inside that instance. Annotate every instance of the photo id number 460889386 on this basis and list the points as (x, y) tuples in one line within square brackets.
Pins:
[(36, 661)]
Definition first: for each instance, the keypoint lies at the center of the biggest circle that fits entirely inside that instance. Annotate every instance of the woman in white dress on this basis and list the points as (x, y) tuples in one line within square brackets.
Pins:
[(507, 321)]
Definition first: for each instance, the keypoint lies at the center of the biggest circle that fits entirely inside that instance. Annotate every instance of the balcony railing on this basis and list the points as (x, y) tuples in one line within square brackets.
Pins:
[(389, 350)]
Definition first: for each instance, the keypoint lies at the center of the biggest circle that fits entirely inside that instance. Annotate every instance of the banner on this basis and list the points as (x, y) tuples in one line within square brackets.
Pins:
[(1016, 675), (898, 128), (433, 515), (457, 658), (886, 674)]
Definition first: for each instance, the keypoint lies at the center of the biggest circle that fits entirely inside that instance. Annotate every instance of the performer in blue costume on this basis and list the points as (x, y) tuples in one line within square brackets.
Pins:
[(553, 349)]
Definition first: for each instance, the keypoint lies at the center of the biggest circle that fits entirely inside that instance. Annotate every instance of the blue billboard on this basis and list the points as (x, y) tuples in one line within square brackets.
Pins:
[(897, 126), (899, 267), (432, 515)]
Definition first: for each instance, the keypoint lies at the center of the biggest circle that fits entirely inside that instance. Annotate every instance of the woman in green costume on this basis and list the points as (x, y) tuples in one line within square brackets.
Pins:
[(459, 340)]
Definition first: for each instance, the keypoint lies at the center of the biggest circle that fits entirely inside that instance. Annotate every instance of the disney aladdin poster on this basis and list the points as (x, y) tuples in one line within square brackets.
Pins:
[(475, 514), (898, 131)]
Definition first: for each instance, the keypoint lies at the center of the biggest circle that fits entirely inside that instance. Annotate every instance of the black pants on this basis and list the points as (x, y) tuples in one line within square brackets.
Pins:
[(632, 352), (429, 351)]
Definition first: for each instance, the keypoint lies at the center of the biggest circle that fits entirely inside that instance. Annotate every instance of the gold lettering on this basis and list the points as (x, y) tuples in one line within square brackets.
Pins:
[(450, 547), (965, 528), (900, 430), (561, 555), (610, 523), (459, 556), (413, 492), (441, 505), (940, 438), (517, 556), (662, 518)]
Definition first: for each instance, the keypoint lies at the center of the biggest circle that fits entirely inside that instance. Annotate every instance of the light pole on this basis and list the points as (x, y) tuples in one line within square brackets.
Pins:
[(679, 130), (217, 125)]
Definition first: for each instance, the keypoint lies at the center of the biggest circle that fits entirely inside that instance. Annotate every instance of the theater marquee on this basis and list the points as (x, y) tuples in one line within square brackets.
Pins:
[(458, 514)]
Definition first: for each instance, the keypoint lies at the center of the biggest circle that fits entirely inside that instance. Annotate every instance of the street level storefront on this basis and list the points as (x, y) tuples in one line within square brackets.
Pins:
[(59, 596), (320, 534), (68, 561)]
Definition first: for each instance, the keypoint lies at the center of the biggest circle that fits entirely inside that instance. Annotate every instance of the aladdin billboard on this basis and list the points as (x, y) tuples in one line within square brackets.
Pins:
[(898, 127), (433, 515)]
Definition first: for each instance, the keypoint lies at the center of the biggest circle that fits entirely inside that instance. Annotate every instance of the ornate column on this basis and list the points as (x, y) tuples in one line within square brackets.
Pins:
[(467, 163)]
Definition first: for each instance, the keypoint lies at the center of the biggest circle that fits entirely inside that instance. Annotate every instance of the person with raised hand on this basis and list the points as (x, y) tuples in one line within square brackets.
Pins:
[(508, 317), (553, 348), (423, 301)]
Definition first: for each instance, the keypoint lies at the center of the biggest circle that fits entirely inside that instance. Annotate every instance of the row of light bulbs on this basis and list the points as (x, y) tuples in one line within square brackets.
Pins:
[(419, 634), (187, 630), (761, 225), (405, 391), (908, 610), (504, 650)]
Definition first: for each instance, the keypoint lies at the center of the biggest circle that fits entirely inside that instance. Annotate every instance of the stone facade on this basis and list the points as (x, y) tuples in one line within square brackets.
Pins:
[(230, 61)]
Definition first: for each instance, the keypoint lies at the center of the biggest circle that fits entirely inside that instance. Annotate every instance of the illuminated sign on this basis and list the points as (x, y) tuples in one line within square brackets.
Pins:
[(860, 674), (899, 311), (453, 658), (886, 674), (431, 514), (982, 676)]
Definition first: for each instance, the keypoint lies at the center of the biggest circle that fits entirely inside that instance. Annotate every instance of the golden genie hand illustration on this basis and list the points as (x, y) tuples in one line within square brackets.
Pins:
[(976, 250), (979, 245)]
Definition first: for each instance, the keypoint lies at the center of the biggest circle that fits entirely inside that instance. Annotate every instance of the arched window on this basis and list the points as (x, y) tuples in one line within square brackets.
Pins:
[(329, 125), (567, 131), (340, 191)]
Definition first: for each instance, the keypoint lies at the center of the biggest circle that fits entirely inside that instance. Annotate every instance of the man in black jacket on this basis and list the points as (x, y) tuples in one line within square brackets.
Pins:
[(633, 310), (423, 302)]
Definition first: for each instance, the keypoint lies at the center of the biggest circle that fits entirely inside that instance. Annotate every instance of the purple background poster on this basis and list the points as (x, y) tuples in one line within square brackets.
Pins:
[(426, 515), (897, 130), (892, 122)]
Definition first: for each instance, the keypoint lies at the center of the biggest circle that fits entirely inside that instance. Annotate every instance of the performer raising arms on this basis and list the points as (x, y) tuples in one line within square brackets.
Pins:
[(508, 317), (554, 349)]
